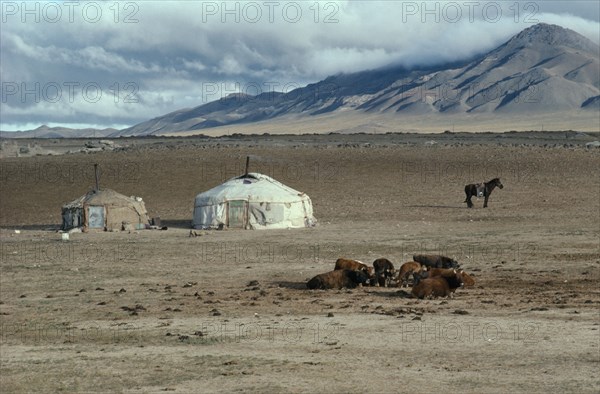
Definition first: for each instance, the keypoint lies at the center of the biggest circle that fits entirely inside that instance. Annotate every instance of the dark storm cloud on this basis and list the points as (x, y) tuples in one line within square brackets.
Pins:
[(116, 64)]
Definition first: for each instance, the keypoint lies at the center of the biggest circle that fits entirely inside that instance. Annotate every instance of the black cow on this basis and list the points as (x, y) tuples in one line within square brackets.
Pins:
[(384, 271), (436, 261), (338, 279)]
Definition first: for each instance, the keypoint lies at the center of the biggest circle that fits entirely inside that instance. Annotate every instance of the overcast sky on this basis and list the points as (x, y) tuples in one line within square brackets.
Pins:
[(115, 64)]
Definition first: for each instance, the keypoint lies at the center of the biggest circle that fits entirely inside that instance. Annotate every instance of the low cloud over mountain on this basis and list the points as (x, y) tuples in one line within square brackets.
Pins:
[(544, 69)]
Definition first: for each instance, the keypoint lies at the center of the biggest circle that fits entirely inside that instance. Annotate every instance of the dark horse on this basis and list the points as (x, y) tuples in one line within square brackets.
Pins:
[(481, 190)]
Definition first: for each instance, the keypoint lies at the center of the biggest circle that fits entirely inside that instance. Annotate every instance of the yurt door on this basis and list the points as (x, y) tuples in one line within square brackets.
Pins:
[(236, 214), (96, 217)]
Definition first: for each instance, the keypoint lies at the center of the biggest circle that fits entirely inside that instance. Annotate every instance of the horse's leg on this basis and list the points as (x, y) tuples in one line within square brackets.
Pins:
[(468, 199), (486, 200)]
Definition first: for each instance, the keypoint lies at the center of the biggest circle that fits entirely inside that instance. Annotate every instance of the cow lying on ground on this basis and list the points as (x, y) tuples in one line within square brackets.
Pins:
[(384, 271), (467, 280), (354, 265), (338, 279), (436, 261), (439, 282), (406, 271), (431, 287)]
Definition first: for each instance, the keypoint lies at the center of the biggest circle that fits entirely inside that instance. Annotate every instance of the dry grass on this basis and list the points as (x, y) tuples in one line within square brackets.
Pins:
[(156, 311)]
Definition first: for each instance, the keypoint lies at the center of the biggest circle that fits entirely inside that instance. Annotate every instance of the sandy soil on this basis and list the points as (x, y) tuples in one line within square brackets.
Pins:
[(377, 122), (156, 311)]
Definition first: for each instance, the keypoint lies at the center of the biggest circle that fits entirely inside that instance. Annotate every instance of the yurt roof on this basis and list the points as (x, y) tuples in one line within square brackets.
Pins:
[(252, 187), (103, 197)]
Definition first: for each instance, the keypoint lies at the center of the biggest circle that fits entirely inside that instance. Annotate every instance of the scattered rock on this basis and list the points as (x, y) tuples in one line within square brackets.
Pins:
[(133, 310)]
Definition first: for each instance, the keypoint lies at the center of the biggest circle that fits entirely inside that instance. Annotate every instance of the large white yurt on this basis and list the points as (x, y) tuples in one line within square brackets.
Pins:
[(252, 201)]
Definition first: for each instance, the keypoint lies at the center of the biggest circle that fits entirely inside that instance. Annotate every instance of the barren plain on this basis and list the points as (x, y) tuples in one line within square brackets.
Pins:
[(228, 311)]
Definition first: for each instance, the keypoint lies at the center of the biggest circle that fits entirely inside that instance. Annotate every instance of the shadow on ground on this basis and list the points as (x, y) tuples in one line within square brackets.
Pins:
[(291, 285)]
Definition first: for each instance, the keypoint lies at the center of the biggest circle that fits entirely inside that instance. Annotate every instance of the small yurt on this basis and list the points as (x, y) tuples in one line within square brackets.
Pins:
[(252, 201), (105, 210)]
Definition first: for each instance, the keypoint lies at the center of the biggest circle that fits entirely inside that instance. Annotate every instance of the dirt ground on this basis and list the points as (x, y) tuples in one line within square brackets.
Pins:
[(228, 311)]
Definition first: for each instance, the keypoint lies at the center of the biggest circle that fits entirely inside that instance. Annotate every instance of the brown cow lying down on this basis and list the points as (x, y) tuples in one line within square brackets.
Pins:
[(354, 265), (440, 283), (435, 261), (406, 271), (384, 271), (338, 279), (467, 280), (431, 288)]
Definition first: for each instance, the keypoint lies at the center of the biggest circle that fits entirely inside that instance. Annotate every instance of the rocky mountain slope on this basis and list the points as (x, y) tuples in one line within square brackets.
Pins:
[(543, 69)]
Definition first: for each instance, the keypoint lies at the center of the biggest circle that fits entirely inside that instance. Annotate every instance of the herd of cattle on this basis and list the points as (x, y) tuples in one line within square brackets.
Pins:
[(431, 275)]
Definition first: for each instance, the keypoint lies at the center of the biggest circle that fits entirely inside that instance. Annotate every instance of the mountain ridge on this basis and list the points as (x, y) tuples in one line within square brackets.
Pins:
[(544, 69)]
